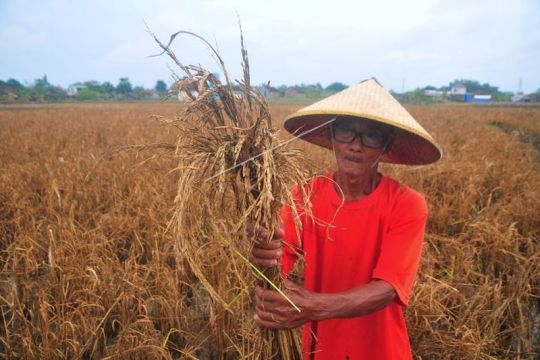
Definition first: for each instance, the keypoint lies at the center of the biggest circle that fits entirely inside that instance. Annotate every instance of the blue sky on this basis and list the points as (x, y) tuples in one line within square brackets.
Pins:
[(405, 44)]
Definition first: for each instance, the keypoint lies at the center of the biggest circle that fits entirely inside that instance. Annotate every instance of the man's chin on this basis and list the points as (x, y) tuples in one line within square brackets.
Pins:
[(354, 168)]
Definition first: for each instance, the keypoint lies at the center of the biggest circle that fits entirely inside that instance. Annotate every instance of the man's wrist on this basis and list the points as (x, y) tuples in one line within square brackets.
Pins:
[(326, 306)]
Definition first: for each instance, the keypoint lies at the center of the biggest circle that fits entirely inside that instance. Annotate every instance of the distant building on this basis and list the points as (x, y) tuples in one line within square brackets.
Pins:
[(532, 97), (481, 99), (152, 94), (458, 89), (458, 92), (518, 96), (268, 91), (74, 89), (294, 90), (272, 91), (434, 94)]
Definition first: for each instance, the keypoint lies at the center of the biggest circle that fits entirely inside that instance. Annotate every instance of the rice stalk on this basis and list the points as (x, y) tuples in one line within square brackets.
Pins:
[(232, 175)]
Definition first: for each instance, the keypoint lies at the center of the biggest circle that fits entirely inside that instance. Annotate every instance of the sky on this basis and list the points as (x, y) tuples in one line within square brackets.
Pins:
[(404, 44)]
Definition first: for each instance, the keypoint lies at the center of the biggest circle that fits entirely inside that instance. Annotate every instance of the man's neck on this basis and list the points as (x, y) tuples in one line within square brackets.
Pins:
[(355, 187)]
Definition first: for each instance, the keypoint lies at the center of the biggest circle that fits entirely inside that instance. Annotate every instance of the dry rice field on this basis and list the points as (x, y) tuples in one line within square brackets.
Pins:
[(88, 269)]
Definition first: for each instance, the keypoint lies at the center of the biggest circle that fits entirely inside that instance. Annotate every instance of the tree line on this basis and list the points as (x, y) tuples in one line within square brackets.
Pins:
[(42, 91)]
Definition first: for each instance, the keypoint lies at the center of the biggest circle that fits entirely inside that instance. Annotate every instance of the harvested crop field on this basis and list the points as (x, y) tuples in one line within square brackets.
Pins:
[(88, 266)]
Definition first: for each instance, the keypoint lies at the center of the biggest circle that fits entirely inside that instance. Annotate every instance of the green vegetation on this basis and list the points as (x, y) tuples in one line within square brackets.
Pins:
[(124, 86), (336, 87), (161, 87), (88, 94), (42, 91)]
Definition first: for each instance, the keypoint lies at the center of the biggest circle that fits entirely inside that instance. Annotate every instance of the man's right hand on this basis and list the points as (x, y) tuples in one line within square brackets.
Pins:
[(267, 251)]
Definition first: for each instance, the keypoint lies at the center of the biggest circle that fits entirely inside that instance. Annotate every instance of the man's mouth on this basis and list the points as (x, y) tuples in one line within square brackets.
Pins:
[(354, 158)]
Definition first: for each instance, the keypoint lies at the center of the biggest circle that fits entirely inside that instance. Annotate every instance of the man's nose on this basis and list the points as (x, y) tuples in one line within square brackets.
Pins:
[(356, 143)]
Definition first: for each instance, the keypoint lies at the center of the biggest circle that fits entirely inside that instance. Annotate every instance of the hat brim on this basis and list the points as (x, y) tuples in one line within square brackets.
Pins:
[(408, 147)]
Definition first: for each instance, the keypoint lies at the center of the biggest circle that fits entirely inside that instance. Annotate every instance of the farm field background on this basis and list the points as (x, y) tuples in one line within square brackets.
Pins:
[(88, 267)]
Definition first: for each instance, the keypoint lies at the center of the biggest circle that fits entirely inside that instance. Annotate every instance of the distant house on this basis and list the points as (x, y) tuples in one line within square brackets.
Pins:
[(272, 91), (532, 97), (458, 92), (434, 94), (268, 91), (294, 91), (153, 94), (458, 89), (74, 89), (518, 96)]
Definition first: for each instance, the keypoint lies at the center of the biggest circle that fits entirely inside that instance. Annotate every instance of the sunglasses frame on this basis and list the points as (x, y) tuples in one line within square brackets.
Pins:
[(385, 141)]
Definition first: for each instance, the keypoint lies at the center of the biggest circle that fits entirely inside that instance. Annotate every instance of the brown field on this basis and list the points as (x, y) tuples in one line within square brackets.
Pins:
[(89, 269)]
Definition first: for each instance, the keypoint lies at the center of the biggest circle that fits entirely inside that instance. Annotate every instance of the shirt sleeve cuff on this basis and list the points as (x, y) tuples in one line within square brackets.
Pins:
[(402, 295)]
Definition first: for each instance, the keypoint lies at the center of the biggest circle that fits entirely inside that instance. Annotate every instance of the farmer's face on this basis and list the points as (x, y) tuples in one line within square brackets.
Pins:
[(358, 144)]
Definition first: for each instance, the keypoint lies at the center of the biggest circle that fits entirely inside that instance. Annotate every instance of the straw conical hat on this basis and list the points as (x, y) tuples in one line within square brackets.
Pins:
[(412, 145)]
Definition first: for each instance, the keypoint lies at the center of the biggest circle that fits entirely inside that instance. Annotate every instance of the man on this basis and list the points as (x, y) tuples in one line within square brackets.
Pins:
[(361, 241)]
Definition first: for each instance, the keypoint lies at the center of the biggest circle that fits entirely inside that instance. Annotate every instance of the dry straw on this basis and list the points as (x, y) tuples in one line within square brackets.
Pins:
[(87, 271), (232, 173)]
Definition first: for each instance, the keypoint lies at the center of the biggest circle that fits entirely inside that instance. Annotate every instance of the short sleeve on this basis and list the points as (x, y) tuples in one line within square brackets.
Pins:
[(401, 245)]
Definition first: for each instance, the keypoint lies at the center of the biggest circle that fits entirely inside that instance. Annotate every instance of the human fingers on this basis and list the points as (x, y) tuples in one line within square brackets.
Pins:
[(266, 254), (264, 235), (277, 320), (261, 232), (267, 297), (275, 312), (269, 324), (264, 263), (267, 244), (279, 231)]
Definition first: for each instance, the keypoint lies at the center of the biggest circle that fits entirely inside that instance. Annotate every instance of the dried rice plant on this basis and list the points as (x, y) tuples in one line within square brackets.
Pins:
[(477, 293), (233, 174), (87, 270)]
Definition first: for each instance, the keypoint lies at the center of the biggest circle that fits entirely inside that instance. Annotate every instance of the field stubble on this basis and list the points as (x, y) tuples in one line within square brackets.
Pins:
[(89, 269)]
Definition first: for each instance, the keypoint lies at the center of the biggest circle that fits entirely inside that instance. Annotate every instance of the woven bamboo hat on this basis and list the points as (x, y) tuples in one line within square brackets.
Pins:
[(411, 145)]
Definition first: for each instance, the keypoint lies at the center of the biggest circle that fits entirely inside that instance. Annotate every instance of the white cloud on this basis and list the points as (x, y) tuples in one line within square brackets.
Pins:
[(424, 41)]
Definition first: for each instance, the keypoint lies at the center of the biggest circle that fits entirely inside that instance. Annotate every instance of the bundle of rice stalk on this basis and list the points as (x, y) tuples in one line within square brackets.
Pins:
[(233, 174)]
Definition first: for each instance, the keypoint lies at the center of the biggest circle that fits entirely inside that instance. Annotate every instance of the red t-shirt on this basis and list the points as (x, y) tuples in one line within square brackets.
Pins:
[(348, 244)]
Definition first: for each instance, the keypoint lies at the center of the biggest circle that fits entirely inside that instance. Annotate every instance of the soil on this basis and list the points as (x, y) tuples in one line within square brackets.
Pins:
[(523, 136)]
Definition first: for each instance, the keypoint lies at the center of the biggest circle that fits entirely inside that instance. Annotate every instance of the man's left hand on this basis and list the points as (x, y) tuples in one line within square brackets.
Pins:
[(273, 311)]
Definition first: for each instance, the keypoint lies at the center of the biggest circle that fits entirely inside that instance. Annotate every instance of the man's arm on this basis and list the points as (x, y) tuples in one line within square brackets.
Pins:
[(274, 311)]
